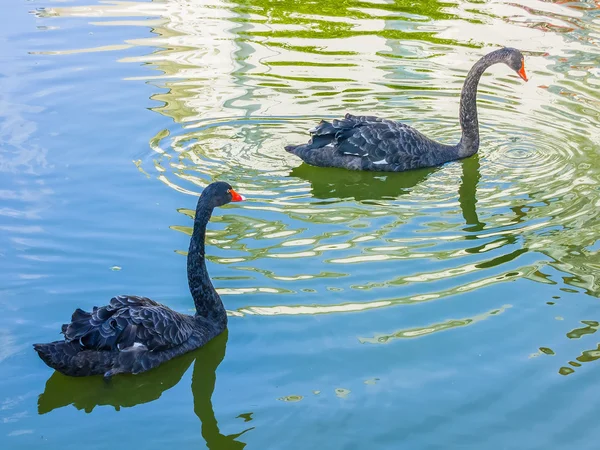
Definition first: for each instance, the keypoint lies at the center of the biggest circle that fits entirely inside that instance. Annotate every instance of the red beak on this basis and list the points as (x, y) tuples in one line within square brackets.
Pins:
[(235, 197), (521, 71)]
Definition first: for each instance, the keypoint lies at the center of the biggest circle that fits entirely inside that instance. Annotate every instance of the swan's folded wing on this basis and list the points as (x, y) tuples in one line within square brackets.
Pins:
[(125, 301), (383, 142), (349, 121), (127, 321), (160, 328)]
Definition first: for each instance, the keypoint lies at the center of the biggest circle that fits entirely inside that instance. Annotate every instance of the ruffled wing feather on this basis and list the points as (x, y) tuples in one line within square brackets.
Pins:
[(376, 141), (129, 321)]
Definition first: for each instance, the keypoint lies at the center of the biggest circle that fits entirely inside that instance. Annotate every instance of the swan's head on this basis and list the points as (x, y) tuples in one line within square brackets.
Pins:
[(220, 193), (516, 61)]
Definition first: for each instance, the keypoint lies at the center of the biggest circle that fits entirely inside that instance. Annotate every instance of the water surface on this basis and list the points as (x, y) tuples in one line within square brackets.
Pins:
[(454, 307)]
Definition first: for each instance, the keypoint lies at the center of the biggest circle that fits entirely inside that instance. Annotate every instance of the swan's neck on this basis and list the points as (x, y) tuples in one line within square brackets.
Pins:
[(207, 301), (469, 142)]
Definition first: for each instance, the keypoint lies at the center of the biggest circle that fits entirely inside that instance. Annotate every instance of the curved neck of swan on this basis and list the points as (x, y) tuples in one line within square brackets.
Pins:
[(207, 301), (469, 142)]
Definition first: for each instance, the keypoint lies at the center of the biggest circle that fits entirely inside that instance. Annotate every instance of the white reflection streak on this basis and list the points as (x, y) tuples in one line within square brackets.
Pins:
[(309, 309)]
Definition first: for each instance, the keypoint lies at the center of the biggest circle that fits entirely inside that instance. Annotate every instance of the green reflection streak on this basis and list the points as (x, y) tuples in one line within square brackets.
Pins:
[(429, 329), (291, 11), (307, 64), (311, 49), (591, 326), (586, 356)]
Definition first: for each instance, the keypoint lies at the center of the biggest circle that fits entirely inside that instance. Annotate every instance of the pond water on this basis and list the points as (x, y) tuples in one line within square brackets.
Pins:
[(454, 307)]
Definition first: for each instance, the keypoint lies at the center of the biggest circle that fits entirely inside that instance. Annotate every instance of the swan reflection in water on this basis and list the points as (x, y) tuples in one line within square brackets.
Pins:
[(330, 183), (129, 390)]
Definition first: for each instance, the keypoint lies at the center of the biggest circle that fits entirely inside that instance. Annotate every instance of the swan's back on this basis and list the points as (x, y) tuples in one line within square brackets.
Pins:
[(127, 321), (130, 334), (370, 143)]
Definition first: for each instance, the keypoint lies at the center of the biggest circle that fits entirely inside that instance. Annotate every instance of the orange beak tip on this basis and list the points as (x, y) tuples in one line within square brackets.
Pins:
[(522, 74), (235, 197)]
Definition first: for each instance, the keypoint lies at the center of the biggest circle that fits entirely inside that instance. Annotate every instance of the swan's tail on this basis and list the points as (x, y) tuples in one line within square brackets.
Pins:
[(315, 143), (323, 135), (322, 148), (69, 359), (292, 148), (57, 355)]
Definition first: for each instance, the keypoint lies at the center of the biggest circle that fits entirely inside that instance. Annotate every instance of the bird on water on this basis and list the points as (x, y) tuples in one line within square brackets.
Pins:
[(373, 143), (135, 334)]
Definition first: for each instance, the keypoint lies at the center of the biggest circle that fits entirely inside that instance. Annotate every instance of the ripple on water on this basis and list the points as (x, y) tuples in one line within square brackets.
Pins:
[(512, 191), (241, 81)]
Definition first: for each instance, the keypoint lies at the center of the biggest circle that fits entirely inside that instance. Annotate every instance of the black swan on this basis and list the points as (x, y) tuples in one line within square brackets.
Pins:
[(372, 143), (135, 334)]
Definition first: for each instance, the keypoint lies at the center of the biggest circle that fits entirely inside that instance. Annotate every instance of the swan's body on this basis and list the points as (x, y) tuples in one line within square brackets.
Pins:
[(134, 334), (372, 143)]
